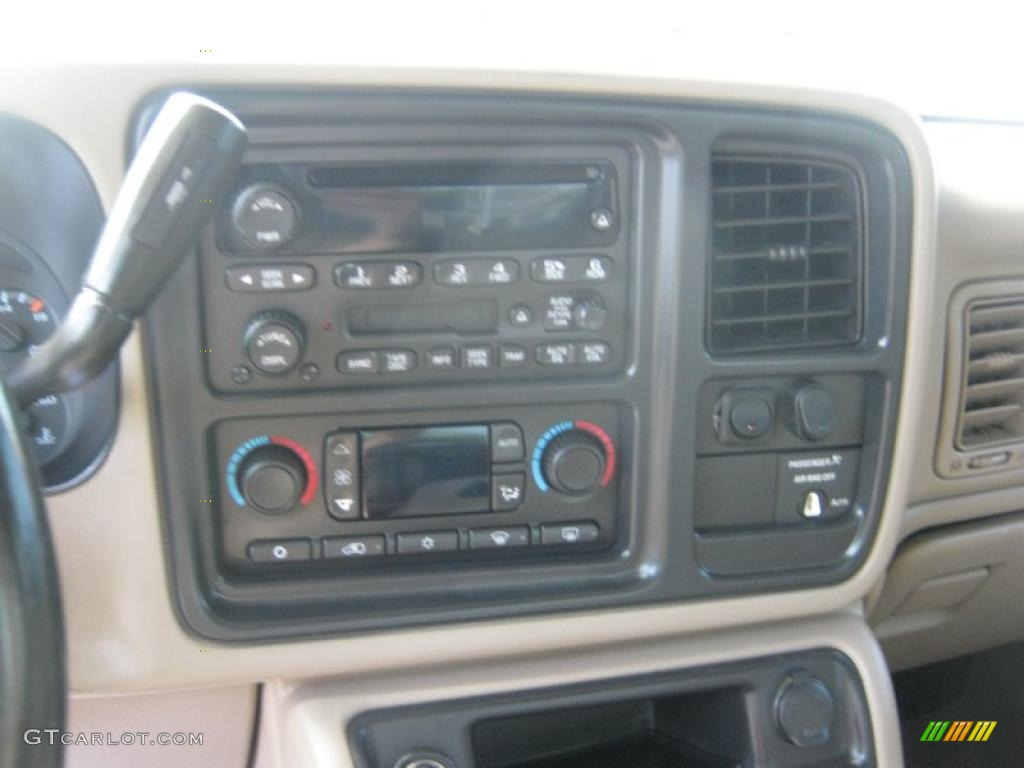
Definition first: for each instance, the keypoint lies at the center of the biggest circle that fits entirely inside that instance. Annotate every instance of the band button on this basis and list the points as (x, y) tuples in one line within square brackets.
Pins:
[(365, 361)]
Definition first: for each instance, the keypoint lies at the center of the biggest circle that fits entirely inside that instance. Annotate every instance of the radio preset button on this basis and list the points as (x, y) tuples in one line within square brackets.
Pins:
[(511, 355), (280, 551), (571, 269), (520, 316), (365, 361), (442, 358), (403, 274), (270, 279), (556, 354), (364, 275), (477, 358), (398, 360), (507, 443), (585, 532), (354, 547), (357, 276), (500, 271), (452, 273), (466, 272), (593, 352), (499, 538), (507, 491), (427, 542)]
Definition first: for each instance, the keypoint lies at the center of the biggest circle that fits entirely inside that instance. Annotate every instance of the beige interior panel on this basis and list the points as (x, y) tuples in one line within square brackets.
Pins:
[(306, 723), (953, 591), (123, 631), (225, 718), (980, 237)]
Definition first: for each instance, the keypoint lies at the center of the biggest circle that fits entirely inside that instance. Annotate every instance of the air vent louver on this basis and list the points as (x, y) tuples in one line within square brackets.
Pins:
[(786, 261), (992, 412)]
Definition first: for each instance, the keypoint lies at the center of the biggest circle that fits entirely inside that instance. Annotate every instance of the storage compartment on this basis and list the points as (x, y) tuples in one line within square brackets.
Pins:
[(801, 710), (704, 730)]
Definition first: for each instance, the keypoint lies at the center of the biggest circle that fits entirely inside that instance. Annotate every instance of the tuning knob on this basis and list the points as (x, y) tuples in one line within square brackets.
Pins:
[(574, 462), (274, 342), (272, 479)]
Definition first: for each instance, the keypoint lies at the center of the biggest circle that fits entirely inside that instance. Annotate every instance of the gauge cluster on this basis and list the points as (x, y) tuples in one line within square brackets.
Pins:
[(50, 217), (26, 321)]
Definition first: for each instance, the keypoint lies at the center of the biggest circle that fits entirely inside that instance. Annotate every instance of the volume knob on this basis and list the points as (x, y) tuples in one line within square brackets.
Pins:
[(574, 462), (274, 342), (272, 479), (264, 217)]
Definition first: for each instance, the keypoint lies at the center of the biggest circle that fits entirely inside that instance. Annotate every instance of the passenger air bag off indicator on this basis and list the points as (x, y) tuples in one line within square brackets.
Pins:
[(814, 486)]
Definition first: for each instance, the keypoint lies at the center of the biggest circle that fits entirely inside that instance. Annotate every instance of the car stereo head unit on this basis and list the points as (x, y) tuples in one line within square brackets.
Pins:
[(312, 208), (333, 273)]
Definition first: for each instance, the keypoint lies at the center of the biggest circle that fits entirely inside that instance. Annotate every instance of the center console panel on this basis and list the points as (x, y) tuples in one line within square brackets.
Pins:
[(451, 356)]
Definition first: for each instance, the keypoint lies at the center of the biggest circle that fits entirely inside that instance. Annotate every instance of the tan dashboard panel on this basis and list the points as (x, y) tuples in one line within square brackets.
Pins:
[(123, 632), (209, 728), (305, 724), (978, 251)]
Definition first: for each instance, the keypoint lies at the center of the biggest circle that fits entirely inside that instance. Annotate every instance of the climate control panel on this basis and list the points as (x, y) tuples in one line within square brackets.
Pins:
[(320, 491)]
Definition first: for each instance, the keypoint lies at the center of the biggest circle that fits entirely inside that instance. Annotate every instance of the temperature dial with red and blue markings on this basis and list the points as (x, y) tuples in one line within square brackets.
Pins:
[(271, 474), (573, 457)]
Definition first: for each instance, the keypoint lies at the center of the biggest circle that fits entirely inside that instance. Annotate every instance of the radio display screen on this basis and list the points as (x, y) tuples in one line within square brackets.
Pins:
[(423, 472), (462, 208)]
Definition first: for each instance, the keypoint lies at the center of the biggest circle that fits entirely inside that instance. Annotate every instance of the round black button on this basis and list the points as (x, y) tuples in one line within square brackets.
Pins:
[(574, 463), (272, 479), (274, 343), (241, 374), (804, 710), (264, 217), (814, 412), (750, 417)]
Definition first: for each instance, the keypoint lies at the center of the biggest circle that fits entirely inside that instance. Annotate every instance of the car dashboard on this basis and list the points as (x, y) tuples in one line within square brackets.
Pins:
[(562, 410)]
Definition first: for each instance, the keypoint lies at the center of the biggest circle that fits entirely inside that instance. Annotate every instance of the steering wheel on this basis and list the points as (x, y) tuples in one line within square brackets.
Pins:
[(32, 683)]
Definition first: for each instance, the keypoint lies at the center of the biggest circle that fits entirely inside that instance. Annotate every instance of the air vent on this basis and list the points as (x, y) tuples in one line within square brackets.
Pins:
[(992, 412), (786, 261)]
